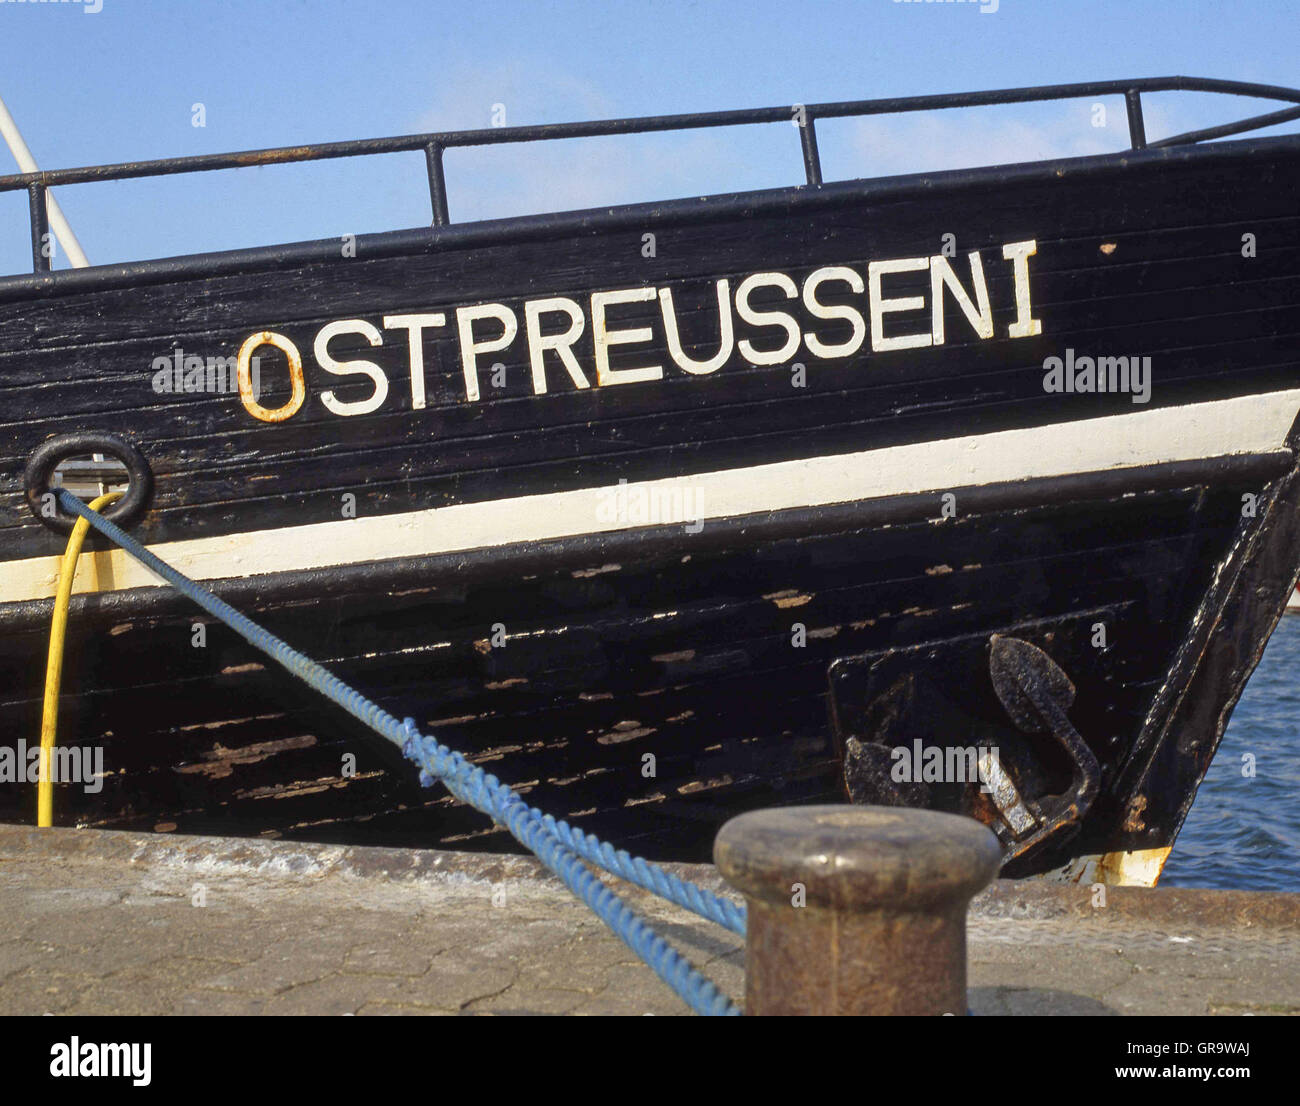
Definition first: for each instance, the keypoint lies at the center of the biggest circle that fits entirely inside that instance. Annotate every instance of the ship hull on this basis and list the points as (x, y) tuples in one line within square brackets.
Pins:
[(654, 590)]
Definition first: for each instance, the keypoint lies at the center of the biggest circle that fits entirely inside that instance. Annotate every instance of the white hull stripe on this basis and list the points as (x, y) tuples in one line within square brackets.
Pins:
[(1249, 424)]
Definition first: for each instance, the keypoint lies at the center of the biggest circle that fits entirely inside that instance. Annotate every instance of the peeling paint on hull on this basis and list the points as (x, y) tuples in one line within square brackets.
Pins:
[(478, 590)]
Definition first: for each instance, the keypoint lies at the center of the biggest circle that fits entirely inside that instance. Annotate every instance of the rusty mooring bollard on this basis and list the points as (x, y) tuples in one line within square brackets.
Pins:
[(856, 909)]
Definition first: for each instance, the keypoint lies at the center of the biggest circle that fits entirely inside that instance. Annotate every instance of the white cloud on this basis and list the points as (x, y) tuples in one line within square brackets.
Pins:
[(1009, 134), (886, 145), (491, 182), (498, 181)]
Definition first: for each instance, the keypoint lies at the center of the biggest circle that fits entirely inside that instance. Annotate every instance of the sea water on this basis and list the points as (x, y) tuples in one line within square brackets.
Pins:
[(1243, 830)]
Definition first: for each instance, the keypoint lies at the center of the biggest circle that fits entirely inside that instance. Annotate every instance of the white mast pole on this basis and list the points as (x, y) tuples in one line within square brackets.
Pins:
[(27, 164)]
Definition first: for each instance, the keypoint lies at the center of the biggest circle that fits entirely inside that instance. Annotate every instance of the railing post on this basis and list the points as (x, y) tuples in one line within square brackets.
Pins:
[(855, 909), (812, 162), (41, 240), (437, 184), (1137, 131)]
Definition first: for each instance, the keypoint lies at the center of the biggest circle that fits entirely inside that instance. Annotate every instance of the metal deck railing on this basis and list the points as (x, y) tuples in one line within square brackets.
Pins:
[(805, 115)]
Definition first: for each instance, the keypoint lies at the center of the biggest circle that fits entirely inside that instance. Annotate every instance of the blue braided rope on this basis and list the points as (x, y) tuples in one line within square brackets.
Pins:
[(500, 799), (647, 875), (636, 870), (560, 846), (483, 791)]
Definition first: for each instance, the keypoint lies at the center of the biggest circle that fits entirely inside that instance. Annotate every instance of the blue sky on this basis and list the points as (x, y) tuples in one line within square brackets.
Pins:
[(121, 84)]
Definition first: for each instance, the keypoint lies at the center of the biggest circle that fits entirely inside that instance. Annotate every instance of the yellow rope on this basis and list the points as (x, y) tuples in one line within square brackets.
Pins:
[(54, 665)]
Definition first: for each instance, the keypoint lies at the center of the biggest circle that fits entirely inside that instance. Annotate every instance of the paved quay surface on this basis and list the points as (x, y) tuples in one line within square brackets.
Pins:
[(100, 922)]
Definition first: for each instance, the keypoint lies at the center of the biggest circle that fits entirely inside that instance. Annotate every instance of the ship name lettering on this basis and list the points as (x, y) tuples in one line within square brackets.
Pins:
[(637, 336)]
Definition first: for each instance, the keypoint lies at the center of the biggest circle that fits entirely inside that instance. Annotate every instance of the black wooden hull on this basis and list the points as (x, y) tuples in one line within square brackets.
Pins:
[(888, 516)]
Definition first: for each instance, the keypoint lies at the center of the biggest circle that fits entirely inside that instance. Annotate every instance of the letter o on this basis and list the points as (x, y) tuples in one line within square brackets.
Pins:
[(270, 338)]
